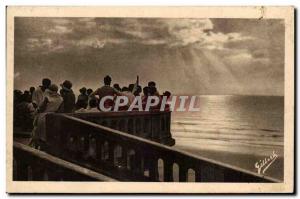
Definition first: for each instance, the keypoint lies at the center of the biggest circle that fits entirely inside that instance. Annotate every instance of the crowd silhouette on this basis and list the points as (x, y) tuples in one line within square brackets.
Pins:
[(31, 106)]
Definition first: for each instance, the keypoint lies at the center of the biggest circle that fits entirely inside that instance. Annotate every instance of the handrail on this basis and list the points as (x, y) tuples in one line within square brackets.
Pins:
[(121, 113), (73, 138), (29, 153), (152, 125)]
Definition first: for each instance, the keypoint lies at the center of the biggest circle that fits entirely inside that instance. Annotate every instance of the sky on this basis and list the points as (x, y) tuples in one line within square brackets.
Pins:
[(183, 56)]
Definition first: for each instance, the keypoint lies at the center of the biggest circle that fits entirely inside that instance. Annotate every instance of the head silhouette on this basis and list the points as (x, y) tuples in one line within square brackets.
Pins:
[(151, 84), (89, 91), (130, 87), (167, 93), (125, 89), (67, 84), (32, 89), (146, 90), (117, 87), (107, 80), (82, 90), (26, 96), (46, 82)]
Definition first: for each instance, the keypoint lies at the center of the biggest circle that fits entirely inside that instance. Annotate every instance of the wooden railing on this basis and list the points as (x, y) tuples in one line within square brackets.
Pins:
[(130, 158), (33, 165), (153, 125)]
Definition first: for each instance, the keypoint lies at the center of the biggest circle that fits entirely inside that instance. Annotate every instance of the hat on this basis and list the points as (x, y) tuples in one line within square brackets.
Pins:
[(151, 84), (167, 93), (53, 88), (107, 78), (82, 90), (67, 84)]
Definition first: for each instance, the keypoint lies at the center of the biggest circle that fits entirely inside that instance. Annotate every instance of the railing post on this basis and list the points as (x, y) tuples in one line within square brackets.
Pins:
[(211, 173), (218, 174), (15, 168), (22, 171), (198, 176), (37, 170), (168, 170), (82, 146), (155, 128), (183, 173), (111, 154), (99, 145), (138, 163), (153, 167), (124, 157)]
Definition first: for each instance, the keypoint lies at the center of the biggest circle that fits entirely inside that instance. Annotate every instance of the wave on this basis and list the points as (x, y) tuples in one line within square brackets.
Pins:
[(228, 131)]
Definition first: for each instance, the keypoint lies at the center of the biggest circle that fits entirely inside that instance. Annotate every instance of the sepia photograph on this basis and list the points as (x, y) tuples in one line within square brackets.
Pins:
[(175, 97)]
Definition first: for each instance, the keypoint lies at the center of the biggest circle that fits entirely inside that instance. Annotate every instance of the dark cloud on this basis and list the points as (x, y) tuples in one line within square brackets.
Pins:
[(205, 56)]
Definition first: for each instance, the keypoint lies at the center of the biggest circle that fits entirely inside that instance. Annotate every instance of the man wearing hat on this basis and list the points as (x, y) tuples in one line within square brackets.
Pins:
[(68, 96)]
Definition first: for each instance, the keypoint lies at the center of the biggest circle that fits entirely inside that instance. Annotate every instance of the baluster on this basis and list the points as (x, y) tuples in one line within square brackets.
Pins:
[(80, 152), (22, 171), (111, 154), (45, 176), (138, 127), (81, 143), (72, 147), (219, 174), (91, 153), (133, 132), (162, 124), (168, 121), (208, 172), (71, 144), (29, 173), (15, 168), (52, 172), (183, 173), (153, 168), (37, 170), (99, 147), (168, 170), (138, 163), (198, 177), (130, 126), (124, 158), (122, 125), (113, 124), (131, 158), (117, 155)]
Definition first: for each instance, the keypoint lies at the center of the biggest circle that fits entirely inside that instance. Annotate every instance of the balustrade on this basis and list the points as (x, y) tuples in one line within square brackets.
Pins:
[(127, 157), (153, 125), (33, 165)]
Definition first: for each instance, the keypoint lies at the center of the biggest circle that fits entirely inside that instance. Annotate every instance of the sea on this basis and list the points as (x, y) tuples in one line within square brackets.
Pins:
[(237, 130)]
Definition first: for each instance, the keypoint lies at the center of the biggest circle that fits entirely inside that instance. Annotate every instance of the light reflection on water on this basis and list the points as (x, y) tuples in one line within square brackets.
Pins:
[(237, 124)]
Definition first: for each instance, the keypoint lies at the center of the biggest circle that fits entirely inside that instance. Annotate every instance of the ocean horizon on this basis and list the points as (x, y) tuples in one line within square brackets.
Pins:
[(235, 126)]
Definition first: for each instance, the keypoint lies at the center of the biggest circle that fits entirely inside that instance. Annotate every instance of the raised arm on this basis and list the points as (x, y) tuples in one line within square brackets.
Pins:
[(136, 84)]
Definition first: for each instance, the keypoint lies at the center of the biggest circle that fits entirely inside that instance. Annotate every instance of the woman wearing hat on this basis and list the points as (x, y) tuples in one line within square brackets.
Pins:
[(68, 96), (82, 100), (52, 103)]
